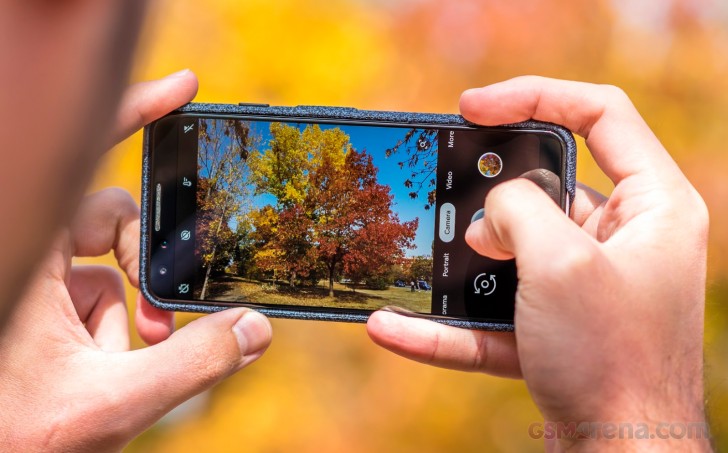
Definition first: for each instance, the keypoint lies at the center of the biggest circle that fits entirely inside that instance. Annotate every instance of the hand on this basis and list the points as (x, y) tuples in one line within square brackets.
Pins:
[(609, 306), (68, 381), (63, 67)]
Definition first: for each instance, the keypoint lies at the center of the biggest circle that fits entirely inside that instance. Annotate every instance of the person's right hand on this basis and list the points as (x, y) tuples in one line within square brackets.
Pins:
[(609, 306)]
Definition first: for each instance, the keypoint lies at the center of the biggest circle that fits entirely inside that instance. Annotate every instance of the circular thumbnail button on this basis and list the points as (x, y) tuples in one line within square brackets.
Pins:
[(490, 165)]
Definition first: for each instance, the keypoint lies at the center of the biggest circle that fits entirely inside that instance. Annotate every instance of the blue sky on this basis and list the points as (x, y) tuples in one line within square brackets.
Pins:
[(375, 140)]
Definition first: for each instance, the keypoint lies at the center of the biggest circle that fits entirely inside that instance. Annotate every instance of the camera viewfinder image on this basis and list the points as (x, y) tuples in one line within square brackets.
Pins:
[(315, 214)]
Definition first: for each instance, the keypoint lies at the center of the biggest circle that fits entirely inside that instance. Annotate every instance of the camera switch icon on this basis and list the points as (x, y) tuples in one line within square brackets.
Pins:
[(184, 288), (484, 284), (185, 235)]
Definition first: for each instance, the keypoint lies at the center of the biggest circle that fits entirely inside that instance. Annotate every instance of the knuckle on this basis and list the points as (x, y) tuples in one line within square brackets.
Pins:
[(116, 194), (578, 259), (494, 197), (108, 275), (434, 355), (612, 94), (685, 207), (119, 198), (481, 357), (531, 79), (507, 196), (502, 195), (113, 277), (700, 215)]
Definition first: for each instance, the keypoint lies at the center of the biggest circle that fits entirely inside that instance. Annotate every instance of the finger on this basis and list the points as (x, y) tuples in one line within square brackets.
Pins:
[(445, 346), (587, 206), (109, 220), (147, 101), (98, 294), (153, 324), (586, 199), (585, 212), (618, 137), (522, 222), (547, 181), (156, 379)]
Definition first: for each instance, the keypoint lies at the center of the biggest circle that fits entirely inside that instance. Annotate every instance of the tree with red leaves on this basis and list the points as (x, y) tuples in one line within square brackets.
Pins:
[(330, 208)]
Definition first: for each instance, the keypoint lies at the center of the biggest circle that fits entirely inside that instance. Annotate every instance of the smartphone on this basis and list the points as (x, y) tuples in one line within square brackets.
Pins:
[(332, 213)]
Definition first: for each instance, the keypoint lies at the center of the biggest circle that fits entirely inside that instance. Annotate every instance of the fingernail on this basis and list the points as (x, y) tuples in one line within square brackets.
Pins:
[(470, 92), (253, 333), (178, 74)]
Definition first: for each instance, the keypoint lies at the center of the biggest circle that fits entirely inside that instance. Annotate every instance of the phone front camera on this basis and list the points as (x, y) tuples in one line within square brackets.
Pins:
[(162, 270)]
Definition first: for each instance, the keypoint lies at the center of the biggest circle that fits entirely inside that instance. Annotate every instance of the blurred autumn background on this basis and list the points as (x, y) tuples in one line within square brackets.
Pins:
[(324, 386)]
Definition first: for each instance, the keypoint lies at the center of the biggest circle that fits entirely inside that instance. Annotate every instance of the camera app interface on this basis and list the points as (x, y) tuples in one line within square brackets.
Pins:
[(344, 216)]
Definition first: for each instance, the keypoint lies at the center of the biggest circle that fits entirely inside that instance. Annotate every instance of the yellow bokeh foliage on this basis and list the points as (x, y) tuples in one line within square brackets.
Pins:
[(324, 386)]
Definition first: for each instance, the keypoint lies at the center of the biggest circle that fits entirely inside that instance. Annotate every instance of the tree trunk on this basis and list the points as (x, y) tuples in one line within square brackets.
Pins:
[(331, 280), (208, 271), (204, 284)]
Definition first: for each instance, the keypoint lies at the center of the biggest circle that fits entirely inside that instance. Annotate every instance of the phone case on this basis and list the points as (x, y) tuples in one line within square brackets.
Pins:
[(328, 113)]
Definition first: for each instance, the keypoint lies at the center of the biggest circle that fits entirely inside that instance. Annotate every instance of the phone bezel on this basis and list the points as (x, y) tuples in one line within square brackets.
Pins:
[(343, 116)]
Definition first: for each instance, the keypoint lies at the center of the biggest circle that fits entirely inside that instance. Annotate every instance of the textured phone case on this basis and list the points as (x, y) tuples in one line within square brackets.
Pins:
[(325, 113)]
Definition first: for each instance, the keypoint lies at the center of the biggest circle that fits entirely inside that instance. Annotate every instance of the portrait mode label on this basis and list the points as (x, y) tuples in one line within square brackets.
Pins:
[(447, 222)]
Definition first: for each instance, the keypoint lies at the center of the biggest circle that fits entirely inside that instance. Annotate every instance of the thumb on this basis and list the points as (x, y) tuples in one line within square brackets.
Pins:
[(522, 222), (192, 360)]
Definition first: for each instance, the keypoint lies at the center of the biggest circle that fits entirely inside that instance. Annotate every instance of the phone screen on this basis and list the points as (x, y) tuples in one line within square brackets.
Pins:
[(334, 216)]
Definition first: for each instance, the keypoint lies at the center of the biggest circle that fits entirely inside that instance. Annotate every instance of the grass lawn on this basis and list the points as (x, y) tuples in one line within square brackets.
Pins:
[(236, 289)]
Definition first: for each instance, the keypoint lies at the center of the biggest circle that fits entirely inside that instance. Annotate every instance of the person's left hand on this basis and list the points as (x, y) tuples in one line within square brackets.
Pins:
[(68, 381)]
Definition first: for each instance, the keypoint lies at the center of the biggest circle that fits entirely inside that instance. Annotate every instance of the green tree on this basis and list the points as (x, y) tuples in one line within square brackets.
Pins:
[(286, 243), (245, 249), (283, 169), (420, 267)]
